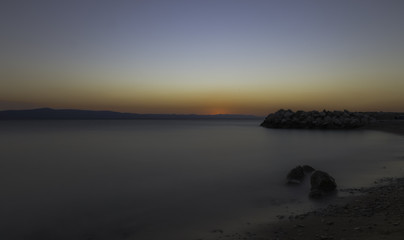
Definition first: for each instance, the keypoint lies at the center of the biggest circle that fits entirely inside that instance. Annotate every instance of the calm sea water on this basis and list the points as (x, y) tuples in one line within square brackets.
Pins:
[(169, 179)]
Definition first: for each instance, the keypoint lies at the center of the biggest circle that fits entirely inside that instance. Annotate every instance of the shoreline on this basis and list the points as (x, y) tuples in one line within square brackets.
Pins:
[(377, 213), (389, 126), (371, 213)]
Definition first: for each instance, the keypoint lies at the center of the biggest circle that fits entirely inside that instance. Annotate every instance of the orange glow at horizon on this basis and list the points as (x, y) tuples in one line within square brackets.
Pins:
[(203, 57), (216, 111), (359, 94)]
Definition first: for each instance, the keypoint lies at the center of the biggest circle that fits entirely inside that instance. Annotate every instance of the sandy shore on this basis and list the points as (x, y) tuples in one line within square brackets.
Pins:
[(370, 213)]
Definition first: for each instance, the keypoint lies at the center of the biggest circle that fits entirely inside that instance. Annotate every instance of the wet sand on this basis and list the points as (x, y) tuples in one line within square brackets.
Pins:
[(370, 213)]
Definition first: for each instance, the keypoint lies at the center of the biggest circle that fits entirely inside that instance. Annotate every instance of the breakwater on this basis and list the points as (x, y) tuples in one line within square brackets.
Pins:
[(317, 120)]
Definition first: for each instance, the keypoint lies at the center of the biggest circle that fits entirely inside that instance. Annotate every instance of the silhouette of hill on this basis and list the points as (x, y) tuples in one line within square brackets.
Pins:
[(49, 113)]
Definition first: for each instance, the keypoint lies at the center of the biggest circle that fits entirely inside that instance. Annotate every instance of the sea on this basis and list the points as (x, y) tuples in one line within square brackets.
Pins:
[(172, 179)]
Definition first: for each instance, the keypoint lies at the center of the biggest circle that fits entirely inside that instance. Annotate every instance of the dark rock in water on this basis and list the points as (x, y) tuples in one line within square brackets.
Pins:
[(308, 168), (322, 181), (321, 184), (296, 175)]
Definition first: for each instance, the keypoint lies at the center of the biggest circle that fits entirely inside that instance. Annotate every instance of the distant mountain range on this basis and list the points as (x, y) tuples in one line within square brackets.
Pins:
[(49, 113)]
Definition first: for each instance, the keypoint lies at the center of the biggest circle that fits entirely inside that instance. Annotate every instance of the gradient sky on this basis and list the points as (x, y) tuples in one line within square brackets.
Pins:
[(205, 57)]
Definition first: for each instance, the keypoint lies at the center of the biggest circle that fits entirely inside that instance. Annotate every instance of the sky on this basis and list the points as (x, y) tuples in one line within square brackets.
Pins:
[(202, 56)]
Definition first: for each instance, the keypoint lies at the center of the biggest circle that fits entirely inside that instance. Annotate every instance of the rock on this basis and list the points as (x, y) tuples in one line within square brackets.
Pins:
[(321, 184), (325, 237), (288, 114), (315, 119), (308, 168), (296, 175)]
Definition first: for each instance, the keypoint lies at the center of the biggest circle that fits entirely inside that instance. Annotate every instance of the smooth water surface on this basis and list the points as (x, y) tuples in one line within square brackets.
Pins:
[(169, 179)]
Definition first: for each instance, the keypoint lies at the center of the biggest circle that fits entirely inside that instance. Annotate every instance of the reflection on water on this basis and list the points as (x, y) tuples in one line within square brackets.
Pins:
[(147, 179)]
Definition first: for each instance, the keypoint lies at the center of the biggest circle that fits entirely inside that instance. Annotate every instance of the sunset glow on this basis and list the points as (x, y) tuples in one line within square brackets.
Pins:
[(203, 57)]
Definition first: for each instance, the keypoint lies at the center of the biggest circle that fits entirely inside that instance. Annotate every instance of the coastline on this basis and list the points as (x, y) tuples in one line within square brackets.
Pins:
[(376, 213), (372, 213), (390, 126)]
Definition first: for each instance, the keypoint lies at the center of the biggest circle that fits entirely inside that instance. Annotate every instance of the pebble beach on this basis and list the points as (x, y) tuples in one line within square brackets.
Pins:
[(372, 213)]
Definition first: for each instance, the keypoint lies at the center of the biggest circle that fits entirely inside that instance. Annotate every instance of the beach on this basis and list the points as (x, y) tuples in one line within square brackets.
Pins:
[(377, 214), (365, 213), (201, 120)]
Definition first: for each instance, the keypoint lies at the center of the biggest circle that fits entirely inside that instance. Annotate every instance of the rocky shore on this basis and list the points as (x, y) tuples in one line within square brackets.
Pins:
[(369, 213), (317, 120), (377, 214)]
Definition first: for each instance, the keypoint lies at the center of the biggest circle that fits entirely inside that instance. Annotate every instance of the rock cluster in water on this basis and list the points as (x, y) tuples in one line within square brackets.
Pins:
[(317, 120), (321, 182)]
